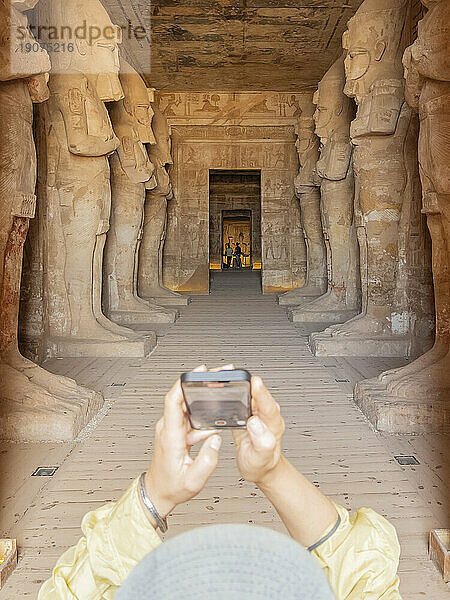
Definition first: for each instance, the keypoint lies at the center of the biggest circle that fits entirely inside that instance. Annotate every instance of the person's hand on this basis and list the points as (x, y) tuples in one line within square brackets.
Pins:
[(174, 477), (259, 448)]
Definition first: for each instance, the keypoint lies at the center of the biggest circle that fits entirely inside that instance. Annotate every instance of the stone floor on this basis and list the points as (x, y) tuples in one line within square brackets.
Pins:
[(326, 437)]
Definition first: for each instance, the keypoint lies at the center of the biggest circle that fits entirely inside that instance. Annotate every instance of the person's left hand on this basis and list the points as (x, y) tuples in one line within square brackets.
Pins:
[(259, 447), (174, 477)]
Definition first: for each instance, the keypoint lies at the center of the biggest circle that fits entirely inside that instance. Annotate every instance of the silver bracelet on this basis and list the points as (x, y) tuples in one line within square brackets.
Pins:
[(162, 523), (326, 537)]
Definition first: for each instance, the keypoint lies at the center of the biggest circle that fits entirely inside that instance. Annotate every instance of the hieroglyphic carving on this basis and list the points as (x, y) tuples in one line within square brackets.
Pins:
[(238, 132), (241, 108)]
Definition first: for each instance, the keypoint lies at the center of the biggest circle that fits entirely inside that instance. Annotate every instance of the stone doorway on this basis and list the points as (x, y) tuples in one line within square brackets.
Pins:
[(235, 216), (238, 230), (201, 152)]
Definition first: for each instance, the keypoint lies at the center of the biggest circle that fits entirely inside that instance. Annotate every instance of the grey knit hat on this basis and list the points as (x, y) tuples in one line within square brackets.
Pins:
[(227, 562)]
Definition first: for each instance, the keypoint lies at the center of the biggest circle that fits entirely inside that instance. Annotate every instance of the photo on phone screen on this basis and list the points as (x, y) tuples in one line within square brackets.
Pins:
[(223, 401)]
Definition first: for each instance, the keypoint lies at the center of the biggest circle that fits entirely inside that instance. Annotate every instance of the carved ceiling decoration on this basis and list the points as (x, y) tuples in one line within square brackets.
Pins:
[(284, 45)]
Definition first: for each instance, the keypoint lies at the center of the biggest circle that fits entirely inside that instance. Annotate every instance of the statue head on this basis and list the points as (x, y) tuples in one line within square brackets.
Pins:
[(136, 102), (429, 54), (161, 129), (14, 35), (306, 141), (334, 110), (94, 41), (373, 44)]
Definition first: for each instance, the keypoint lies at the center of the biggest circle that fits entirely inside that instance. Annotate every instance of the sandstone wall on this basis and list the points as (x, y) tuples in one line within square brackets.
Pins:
[(233, 131)]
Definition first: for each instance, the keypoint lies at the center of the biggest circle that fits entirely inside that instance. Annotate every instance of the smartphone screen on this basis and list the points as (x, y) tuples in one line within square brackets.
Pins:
[(218, 404)]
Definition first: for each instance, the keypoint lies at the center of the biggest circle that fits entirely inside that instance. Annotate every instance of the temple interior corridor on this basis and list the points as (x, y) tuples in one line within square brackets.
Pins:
[(258, 182), (327, 438)]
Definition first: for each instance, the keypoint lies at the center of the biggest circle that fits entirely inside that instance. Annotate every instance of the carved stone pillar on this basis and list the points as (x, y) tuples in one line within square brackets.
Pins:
[(307, 190), (79, 138), (34, 404), (416, 398), (150, 278), (131, 172), (382, 134), (334, 112)]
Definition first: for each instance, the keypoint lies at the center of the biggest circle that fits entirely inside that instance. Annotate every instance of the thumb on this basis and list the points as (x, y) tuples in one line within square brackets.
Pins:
[(262, 438), (204, 465)]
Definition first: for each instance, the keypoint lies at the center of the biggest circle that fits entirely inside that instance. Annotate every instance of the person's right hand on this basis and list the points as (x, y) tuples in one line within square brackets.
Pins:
[(174, 476), (259, 448)]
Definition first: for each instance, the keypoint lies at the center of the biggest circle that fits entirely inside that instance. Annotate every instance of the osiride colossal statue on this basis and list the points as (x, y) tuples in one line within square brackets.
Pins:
[(131, 173), (79, 138), (334, 112), (151, 286), (35, 404), (384, 135), (307, 190), (415, 398)]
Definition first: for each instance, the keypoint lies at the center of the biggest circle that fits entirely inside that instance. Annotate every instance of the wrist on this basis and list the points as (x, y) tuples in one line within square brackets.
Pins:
[(272, 478), (163, 505)]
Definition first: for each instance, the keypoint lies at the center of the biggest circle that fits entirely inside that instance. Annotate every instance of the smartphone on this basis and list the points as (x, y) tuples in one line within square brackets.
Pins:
[(218, 400)]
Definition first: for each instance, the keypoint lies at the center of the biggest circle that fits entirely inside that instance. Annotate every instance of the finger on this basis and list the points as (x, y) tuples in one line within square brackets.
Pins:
[(224, 368), (263, 403), (174, 416), (195, 436), (205, 463), (239, 435), (263, 440)]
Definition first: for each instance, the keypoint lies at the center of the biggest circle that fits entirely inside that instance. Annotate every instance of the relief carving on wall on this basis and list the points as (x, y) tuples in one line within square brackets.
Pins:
[(260, 108)]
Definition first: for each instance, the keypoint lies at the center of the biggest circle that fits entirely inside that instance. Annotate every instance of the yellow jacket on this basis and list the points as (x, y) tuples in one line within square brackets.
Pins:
[(360, 559)]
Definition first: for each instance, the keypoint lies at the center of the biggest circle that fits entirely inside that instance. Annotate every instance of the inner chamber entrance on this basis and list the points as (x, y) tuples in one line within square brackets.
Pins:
[(235, 218)]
